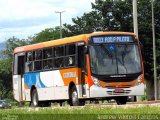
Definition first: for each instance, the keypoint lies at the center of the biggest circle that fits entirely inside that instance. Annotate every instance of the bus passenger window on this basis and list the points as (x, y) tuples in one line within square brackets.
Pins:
[(38, 55), (59, 51), (70, 55), (37, 65), (70, 49), (29, 56), (58, 62), (47, 64), (28, 62), (70, 61), (59, 57), (29, 66), (47, 53)]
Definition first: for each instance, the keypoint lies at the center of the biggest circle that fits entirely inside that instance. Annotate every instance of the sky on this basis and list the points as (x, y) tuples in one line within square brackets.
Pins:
[(23, 18)]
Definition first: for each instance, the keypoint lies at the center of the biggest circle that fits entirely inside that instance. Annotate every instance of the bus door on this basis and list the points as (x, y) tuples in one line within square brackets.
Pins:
[(81, 65), (18, 80)]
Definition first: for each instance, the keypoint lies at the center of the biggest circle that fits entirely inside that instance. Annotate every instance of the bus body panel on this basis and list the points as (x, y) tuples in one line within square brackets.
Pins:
[(17, 87), (27, 94), (52, 85)]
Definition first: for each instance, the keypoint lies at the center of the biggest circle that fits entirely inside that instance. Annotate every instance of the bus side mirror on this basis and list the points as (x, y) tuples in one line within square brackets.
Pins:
[(86, 50)]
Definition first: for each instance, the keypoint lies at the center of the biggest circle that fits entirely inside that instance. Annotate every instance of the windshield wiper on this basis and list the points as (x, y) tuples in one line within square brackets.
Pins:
[(122, 56), (107, 52)]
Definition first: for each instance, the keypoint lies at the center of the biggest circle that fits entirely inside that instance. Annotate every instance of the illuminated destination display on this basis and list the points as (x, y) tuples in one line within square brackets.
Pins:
[(112, 39)]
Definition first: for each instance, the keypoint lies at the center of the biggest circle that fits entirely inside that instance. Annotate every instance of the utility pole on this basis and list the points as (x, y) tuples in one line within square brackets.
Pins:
[(60, 13), (135, 27), (154, 53), (135, 22)]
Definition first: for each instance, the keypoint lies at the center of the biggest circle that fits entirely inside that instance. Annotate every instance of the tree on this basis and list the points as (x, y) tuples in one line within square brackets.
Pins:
[(107, 15), (88, 23), (5, 78), (11, 44), (116, 15), (46, 35), (6, 66)]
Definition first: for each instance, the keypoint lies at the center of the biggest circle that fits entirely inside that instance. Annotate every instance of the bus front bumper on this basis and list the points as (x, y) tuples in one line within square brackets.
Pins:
[(96, 91)]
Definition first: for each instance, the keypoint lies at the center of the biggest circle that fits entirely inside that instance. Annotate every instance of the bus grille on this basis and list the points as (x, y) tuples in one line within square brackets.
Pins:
[(113, 93), (121, 86)]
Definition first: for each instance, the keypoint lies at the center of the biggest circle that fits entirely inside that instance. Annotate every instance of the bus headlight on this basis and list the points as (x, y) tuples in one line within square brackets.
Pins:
[(95, 81), (139, 80)]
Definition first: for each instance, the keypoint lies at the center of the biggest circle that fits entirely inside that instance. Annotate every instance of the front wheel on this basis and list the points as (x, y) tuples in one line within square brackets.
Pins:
[(121, 100), (74, 101)]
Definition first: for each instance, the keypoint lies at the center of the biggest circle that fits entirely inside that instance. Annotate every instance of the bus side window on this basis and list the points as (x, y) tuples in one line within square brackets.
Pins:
[(70, 55), (59, 57), (47, 53), (59, 51), (47, 59), (38, 55), (15, 64), (28, 62), (38, 60)]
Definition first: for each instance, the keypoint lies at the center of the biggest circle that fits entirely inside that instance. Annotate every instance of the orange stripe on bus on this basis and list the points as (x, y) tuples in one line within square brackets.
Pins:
[(68, 79), (74, 39), (90, 82), (29, 47), (25, 86)]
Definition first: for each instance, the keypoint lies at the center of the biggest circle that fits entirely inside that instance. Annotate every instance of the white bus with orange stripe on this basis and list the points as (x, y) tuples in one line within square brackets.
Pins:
[(100, 65)]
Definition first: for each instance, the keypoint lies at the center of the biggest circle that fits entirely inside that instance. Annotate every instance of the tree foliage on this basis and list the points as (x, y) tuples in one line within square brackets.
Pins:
[(11, 44), (46, 35), (6, 66), (5, 78)]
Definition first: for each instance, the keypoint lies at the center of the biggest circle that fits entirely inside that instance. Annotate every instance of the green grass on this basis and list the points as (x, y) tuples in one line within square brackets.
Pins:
[(87, 112)]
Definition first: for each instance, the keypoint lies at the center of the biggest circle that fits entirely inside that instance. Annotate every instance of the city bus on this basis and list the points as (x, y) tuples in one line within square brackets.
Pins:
[(99, 65)]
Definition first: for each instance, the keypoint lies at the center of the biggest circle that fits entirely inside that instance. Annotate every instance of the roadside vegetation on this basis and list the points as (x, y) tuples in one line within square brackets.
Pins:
[(87, 112)]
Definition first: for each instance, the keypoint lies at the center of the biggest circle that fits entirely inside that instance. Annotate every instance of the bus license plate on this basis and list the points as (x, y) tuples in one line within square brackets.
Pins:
[(118, 90)]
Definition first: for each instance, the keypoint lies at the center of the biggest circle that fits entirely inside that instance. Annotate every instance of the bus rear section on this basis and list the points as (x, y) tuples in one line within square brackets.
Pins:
[(116, 67)]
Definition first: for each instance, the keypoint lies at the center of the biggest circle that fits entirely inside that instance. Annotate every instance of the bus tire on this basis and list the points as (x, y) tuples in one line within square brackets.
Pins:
[(34, 98), (74, 100), (121, 100)]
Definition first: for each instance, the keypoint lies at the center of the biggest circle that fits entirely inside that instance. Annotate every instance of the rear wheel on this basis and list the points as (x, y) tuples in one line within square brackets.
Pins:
[(34, 98), (121, 100)]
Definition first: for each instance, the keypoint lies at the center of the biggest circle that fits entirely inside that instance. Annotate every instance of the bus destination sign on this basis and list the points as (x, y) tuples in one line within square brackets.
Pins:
[(112, 39)]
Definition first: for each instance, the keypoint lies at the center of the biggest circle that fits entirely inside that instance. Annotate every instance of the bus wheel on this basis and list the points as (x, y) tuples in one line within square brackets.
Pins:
[(34, 98), (74, 97), (121, 100), (74, 101)]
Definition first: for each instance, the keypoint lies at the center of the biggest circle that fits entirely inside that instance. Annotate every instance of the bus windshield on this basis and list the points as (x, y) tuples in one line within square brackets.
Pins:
[(113, 59)]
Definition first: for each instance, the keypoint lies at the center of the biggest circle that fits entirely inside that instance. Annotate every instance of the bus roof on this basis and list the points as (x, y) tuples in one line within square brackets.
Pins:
[(78, 38)]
